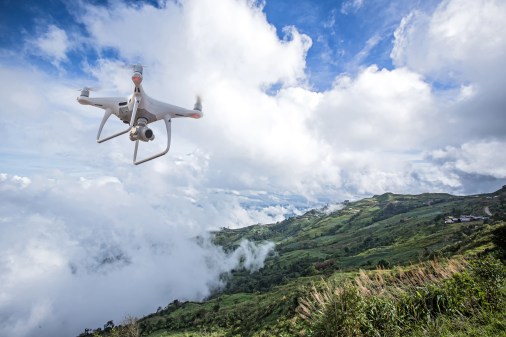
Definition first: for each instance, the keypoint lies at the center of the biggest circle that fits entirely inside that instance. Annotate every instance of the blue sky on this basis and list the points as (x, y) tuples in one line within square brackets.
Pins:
[(305, 103)]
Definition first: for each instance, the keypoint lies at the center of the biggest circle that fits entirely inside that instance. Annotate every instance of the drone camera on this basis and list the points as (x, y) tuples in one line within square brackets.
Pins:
[(148, 133), (141, 131)]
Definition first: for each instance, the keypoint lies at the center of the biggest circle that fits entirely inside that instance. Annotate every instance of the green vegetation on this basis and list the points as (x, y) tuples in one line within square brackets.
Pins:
[(382, 266), (416, 301)]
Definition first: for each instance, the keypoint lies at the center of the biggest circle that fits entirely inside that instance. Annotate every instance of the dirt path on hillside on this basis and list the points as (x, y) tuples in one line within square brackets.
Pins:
[(487, 211)]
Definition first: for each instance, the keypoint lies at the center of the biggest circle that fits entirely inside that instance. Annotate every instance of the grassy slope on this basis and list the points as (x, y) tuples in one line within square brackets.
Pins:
[(393, 229)]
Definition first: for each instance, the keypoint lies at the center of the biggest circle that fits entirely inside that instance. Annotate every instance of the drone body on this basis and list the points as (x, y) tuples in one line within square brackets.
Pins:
[(138, 110)]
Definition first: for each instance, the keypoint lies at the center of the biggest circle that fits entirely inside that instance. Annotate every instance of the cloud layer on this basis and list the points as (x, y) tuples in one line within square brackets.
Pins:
[(71, 263)]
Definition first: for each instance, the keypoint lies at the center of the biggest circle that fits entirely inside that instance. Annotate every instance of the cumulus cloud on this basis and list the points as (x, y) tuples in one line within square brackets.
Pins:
[(461, 41), (197, 37), (461, 46), (380, 109)]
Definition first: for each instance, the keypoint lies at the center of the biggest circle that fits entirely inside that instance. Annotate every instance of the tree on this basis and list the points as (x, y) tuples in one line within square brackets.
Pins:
[(108, 326), (130, 328)]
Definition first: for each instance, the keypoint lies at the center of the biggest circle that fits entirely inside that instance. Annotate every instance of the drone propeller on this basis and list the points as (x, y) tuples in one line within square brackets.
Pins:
[(85, 91), (198, 103), (131, 65), (137, 67)]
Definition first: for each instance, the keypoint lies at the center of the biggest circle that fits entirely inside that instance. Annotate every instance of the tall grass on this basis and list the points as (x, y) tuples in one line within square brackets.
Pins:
[(401, 301)]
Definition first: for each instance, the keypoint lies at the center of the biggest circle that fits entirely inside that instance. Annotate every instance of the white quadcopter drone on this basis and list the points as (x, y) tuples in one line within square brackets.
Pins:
[(138, 111)]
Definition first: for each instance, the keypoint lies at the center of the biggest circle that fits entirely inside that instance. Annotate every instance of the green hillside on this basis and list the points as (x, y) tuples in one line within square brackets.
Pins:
[(387, 230), (394, 232)]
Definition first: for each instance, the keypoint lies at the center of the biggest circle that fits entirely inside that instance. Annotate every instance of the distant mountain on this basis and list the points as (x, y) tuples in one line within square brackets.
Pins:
[(382, 231)]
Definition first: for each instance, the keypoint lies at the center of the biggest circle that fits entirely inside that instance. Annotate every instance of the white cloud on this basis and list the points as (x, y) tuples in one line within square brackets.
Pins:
[(369, 45), (332, 207), (53, 45), (463, 40), (482, 157), (198, 38), (380, 109), (70, 245), (460, 45), (351, 6), (252, 256)]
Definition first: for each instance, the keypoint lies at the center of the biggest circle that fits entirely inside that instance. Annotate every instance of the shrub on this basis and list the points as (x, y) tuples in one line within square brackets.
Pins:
[(337, 311)]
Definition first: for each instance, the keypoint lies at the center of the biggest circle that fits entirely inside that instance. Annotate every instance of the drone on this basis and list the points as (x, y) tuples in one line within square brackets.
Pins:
[(138, 110)]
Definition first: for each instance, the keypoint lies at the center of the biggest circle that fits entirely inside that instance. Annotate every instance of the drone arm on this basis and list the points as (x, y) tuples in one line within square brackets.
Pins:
[(168, 126), (175, 111), (101, 102), (181, 112)]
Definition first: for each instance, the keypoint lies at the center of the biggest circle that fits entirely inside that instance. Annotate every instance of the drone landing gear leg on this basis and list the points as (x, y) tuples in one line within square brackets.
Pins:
[(168, 126), (108, 114)]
